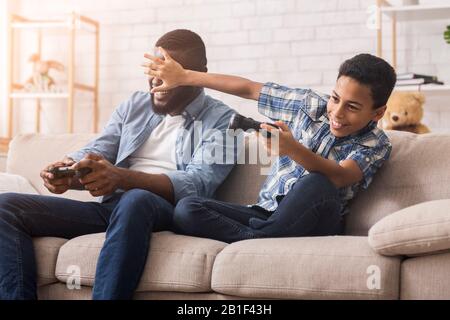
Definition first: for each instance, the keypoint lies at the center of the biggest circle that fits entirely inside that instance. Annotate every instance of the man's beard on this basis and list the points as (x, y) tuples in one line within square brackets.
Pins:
[(175, 102), (168, 108)]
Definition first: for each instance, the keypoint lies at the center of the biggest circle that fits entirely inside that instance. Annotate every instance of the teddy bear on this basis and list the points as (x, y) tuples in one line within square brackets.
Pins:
[(41, 80), (404, 112)]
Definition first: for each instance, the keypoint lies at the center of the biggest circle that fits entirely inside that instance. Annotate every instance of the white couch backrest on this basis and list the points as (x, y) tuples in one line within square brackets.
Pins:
[(417, 171), (30, 153)]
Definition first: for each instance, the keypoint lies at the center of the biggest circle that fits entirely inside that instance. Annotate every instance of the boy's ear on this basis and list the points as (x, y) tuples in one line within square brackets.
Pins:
[(379, 113)]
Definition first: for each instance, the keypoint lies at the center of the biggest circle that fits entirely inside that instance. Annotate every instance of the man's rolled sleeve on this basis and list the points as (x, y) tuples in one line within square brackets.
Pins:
[(207, 169), (107, 143), (198, 180)]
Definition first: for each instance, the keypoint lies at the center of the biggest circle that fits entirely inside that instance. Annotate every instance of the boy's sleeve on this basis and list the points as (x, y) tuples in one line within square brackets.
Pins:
[(282, 103), (370, 159)]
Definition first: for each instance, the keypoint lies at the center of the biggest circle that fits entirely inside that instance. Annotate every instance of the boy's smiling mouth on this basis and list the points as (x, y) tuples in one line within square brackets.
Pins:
[(337, 125)]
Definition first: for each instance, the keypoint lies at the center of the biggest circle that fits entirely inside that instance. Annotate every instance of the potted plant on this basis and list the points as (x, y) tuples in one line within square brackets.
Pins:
[(447, 35)]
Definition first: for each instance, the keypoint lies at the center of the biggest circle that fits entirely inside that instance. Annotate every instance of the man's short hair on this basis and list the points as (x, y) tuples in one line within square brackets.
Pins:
[(373, 72), (188, 47)]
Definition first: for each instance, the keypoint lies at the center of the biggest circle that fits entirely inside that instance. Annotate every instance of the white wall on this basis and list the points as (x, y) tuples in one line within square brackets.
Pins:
[(4, 9), (296, 43)]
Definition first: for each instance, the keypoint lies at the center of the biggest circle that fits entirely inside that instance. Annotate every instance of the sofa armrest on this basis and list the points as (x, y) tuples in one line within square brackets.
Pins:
[(15, 183), (30, 153), (420, 229)]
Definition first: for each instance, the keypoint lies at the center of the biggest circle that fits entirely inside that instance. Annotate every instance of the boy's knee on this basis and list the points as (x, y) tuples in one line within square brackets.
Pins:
[(319, 181)]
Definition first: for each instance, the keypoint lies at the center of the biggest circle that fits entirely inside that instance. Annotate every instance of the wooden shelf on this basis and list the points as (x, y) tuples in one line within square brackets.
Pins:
[(49, 95), (81, 23), (70, 27), (38, 95), (4, 144), (424, 87), (417, 12)]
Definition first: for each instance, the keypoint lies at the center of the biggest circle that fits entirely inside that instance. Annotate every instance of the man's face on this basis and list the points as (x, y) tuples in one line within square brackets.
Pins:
[(174, 100), (350, 107)]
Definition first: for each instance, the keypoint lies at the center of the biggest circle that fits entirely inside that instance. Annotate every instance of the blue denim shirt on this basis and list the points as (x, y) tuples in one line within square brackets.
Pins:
[(132, 124)]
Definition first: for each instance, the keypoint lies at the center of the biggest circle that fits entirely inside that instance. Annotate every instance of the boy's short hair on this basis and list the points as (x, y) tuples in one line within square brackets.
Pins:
[(188, 45), (374, 72)]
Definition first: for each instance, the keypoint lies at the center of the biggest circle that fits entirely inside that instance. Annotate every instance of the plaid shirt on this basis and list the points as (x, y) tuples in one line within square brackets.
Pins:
[(305, 111)]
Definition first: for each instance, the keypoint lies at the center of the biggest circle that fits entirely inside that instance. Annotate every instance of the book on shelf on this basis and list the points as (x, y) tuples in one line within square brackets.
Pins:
[(418, 81), (412, 75)]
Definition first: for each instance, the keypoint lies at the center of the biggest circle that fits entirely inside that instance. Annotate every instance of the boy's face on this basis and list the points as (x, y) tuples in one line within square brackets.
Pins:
[(350, 107)]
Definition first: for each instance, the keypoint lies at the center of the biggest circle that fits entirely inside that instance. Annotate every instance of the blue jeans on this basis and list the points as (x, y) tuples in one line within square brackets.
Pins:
[(127, 218), (311, 208)]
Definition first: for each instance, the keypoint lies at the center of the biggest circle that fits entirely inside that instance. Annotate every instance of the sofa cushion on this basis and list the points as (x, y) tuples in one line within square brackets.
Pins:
[(246, 179), (175, 262), (44, 149), (426, 277), (417, 171), (59, 291), (422, 228), (46, 252), (15, 183), (338, 267)]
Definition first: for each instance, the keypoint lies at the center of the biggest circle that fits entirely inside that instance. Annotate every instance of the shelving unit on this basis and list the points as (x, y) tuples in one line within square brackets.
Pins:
[(417, 12), (425, 88), (71, 25), (4, 146)]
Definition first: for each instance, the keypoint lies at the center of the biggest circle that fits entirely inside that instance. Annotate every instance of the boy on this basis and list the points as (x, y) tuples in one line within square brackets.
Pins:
[(329, 148)]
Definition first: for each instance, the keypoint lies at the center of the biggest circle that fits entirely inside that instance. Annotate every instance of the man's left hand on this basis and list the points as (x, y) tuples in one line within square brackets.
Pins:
[(104, 179)]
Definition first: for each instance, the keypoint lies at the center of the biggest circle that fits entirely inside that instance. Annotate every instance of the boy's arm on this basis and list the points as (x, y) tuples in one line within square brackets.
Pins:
[(174, 75), (342, 174), (234, 85)]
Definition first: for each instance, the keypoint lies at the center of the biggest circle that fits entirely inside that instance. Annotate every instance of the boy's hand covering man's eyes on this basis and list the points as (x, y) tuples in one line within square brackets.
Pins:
[(168, 70), (286, 141)]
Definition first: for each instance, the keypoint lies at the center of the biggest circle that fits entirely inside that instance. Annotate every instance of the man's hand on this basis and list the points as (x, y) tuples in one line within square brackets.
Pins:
[(286, 141), (57, 186), (104, 179), (168, 70)]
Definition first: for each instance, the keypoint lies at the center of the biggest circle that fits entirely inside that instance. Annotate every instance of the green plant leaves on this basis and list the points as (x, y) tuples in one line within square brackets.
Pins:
[(447, 35)]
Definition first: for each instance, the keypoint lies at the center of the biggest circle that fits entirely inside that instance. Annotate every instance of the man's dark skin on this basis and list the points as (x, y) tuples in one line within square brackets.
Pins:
[(106, 178)]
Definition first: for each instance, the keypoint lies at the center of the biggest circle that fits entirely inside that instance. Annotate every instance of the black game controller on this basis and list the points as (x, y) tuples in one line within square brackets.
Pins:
[(238, 121), (65, 172)]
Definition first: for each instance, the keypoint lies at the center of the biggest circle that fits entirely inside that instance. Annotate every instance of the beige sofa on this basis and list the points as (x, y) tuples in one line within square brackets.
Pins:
[(405, 257)]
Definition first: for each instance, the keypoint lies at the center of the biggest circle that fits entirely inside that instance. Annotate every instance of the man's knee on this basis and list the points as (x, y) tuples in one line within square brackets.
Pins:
[(139, 198), (186, 211), (9, 199), (137, 206), (10, 207)]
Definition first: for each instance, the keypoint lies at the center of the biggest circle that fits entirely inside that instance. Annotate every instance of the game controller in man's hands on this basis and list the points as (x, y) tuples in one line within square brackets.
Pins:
[(66, 172)]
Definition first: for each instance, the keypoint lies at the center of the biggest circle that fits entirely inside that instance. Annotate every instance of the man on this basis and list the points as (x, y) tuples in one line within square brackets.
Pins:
[(143, 163)]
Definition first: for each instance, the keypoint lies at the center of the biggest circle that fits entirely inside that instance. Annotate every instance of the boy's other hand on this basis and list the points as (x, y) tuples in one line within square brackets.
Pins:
[(286, 141), (168, 70)]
